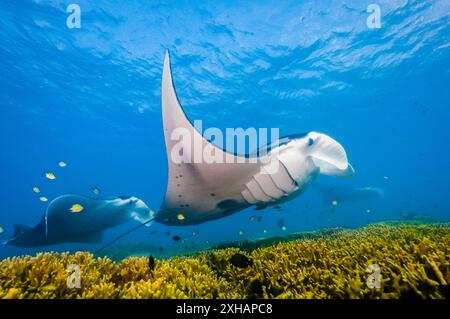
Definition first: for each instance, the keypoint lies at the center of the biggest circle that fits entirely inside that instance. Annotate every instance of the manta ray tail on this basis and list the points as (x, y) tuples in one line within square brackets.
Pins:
[(123, 235)]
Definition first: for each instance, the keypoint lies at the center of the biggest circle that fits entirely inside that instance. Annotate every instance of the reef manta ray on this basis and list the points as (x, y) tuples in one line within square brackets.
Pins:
[(206, 190), (62, 224)]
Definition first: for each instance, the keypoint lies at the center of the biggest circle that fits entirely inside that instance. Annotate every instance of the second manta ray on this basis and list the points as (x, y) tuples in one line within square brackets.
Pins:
[(205, 189), (79, 219)]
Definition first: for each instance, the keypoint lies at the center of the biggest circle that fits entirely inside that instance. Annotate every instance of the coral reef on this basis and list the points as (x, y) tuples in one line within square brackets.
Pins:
[(413, 261)]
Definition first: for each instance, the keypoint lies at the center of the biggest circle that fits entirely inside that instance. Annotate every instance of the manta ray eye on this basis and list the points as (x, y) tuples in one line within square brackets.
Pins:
[(310, 141)]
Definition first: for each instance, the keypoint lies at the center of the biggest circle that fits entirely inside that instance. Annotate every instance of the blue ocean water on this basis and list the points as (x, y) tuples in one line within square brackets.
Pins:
[(91, 97)]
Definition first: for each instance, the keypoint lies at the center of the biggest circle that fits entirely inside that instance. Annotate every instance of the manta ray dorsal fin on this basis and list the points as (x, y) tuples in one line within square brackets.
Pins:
[(196, 184)]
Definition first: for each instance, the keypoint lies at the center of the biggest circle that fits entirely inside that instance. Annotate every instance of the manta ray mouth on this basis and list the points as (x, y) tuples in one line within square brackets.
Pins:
[(140, 212), (139, 203), (329, 156)]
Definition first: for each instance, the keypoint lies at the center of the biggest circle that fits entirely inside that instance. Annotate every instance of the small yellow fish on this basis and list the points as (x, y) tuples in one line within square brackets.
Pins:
[(1, 230), (334, 202), (96, 190), (36, 189), (62, 164), (76, 208), (241, 232), (152, 213), (180, 217), (43, 199), (50, 175)]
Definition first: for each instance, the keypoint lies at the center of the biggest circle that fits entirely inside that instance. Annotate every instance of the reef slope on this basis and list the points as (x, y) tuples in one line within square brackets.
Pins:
[(413, 261)]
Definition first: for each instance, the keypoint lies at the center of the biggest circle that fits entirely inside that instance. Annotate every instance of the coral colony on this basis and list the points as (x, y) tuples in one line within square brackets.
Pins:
[(407, 260)]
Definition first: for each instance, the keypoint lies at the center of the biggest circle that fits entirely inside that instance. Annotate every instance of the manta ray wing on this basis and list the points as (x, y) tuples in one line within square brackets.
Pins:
[(198, 187)]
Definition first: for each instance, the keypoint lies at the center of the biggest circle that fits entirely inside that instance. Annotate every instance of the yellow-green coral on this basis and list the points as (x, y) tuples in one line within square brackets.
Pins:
[(413, 261)]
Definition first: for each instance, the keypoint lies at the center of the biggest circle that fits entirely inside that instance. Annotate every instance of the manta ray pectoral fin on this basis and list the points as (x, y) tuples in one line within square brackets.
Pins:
[(329, 156), (201, 174), (90, 238)]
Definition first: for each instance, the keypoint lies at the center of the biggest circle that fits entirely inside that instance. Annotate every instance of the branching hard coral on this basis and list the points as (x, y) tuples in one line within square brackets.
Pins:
[(413, 262)]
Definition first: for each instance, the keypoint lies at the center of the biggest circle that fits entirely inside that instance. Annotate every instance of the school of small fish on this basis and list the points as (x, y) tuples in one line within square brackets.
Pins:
[(50, 176)]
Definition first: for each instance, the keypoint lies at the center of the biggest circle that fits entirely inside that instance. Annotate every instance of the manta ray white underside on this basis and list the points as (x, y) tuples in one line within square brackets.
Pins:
[(203, 190), (197, 190)]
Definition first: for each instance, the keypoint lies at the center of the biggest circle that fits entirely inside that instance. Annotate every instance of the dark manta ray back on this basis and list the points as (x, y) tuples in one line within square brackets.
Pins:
[(79, 219)]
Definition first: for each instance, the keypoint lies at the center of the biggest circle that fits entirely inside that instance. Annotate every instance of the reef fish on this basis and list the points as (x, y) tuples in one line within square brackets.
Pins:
[(241, 261), (221, 183), (59, 224), (76, 208), (50, 175), (62, 164), (151, 262)]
